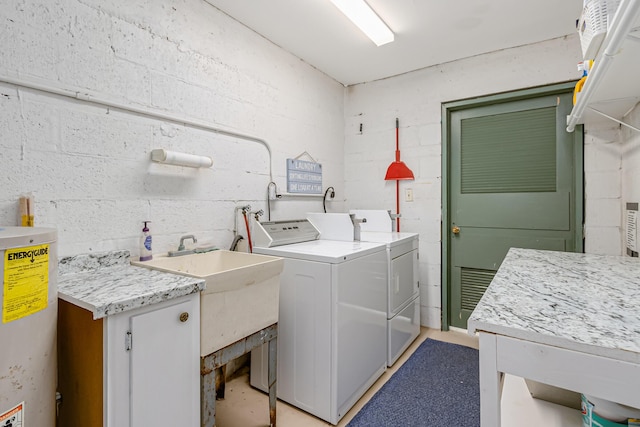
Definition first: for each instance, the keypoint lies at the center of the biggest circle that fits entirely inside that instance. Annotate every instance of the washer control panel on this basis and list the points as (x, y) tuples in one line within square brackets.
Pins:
[(277, 233)]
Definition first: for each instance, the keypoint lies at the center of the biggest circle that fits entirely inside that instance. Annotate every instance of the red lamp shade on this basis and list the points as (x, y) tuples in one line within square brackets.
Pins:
[(398, 170)]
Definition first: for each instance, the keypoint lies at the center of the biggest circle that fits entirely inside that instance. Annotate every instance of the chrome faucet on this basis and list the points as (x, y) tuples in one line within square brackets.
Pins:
[(181, 249), (393, 218), (183, 238)]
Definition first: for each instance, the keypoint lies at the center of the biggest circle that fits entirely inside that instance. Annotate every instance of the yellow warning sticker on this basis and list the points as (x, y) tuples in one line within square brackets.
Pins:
[(26, 282)]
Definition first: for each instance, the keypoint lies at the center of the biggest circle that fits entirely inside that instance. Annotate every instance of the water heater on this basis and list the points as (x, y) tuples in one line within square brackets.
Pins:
[(29, 304)]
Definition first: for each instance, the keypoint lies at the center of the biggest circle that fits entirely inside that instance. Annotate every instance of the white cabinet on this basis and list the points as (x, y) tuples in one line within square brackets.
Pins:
[(613, 87), (138, 368), (165, 366)]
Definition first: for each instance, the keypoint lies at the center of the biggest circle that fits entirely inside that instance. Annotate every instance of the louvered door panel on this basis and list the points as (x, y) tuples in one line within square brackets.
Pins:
[(509, 153), (474, 282)]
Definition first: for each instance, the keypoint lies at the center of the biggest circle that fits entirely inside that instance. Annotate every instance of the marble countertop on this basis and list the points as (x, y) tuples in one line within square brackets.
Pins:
[(106, 283), (582, 302)]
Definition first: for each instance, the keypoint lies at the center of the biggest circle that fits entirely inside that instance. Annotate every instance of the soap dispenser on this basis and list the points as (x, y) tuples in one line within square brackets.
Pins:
[(145, 243)]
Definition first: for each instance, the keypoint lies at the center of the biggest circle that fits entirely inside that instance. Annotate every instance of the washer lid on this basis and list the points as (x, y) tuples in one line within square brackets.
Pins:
[(328, 251)]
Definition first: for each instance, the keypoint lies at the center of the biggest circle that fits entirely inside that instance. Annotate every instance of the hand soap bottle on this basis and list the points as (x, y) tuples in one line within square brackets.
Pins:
[(145, 243)]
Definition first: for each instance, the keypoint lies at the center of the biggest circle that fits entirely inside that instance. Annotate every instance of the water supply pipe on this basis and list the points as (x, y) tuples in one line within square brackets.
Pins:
[(97, 98), (245, 214), (235, 216)]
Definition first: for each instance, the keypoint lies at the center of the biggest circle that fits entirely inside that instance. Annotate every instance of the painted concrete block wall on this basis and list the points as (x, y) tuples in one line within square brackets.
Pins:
[(630, 163), (416, 98), (88, 165), (603, 188)]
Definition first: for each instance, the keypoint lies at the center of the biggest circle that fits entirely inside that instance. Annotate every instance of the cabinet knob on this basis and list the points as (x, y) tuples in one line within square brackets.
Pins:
[(184, 316)]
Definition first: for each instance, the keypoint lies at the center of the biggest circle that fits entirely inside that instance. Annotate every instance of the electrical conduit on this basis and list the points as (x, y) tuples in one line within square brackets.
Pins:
[(100, 99)]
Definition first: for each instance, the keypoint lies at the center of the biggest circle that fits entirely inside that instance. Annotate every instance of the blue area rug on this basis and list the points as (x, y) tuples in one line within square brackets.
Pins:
[(436, 387)]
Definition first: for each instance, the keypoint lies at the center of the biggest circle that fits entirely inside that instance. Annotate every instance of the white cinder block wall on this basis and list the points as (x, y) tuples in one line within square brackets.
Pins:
[(631, 160), (416, 99), (88, 165), (602, 181)]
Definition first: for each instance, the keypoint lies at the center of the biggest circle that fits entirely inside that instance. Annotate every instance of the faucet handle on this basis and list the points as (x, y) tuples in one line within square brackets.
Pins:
[(356, 226), (356, 221)]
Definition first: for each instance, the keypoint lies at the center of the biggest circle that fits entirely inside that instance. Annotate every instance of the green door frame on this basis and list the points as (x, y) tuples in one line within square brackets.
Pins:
[(447, 109)]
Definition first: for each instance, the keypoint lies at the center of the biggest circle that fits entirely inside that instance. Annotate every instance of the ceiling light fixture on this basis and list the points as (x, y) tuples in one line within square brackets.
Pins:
[(361, 14)]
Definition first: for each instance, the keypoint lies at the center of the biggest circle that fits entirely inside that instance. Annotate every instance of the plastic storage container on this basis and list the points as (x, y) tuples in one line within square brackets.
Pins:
[(594, 23), (603, 413)]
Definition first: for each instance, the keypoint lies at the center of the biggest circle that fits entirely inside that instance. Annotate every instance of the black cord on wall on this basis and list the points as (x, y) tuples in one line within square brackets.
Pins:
[(275, 194), (324, 199)]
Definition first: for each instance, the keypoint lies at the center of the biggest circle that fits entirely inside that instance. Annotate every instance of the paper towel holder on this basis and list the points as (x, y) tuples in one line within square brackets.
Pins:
[(161, 155)]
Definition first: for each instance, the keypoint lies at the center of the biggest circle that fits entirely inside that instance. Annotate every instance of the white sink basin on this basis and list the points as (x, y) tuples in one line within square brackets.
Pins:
[(240, 297), (222, 270)]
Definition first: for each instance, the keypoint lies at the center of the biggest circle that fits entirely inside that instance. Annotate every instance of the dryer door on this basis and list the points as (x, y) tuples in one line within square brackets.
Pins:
[(403, 281)]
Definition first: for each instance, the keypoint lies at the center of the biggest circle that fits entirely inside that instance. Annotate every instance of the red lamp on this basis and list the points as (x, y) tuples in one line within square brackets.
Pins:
[(398, 171)]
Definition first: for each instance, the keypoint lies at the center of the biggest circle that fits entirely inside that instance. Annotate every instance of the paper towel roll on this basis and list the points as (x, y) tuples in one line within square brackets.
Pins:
[(181, 159)]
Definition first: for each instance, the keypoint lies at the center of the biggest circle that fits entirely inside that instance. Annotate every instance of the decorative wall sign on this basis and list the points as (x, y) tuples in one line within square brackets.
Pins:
[(304, 177)]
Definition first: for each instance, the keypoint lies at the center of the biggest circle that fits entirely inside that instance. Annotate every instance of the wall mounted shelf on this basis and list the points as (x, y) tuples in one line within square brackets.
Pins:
[(613, 87)]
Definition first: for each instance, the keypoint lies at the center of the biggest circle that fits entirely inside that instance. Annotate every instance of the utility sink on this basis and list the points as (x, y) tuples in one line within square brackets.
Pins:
[(240, 296)]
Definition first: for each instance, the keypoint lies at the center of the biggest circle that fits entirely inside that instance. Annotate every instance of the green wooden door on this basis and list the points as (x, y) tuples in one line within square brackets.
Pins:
[(512, 183)]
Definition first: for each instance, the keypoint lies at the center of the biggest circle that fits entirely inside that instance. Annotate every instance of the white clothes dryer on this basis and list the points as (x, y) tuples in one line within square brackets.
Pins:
[(403, 293), (403, 308)]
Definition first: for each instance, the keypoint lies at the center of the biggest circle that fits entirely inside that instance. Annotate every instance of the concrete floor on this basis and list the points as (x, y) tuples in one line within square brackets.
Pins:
[(244, 406)]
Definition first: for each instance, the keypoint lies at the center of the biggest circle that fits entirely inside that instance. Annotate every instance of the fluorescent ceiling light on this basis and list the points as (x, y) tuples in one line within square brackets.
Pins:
[(361, 14)]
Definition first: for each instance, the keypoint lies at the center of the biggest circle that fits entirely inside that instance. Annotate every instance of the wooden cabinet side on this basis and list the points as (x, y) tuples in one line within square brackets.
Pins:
[(80, 367)]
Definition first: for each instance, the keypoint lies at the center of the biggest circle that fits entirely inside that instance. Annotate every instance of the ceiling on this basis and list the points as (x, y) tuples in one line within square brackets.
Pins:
[(427, 32)]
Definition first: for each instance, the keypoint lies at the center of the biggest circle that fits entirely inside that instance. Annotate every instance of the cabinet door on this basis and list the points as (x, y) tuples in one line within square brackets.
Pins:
[(165, 366)]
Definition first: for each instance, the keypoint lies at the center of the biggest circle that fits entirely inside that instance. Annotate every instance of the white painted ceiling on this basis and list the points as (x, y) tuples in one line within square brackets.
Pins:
[(427, 32)]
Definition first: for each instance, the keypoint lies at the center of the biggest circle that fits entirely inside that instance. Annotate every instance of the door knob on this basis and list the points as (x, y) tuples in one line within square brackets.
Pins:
[(455, 229)]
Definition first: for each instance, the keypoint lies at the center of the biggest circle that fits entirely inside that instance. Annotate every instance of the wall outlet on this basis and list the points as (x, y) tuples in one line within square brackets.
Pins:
[(408, 195)]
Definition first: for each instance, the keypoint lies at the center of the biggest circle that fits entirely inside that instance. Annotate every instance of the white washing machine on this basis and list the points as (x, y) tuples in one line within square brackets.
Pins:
[(332, 322), (403, 308)]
